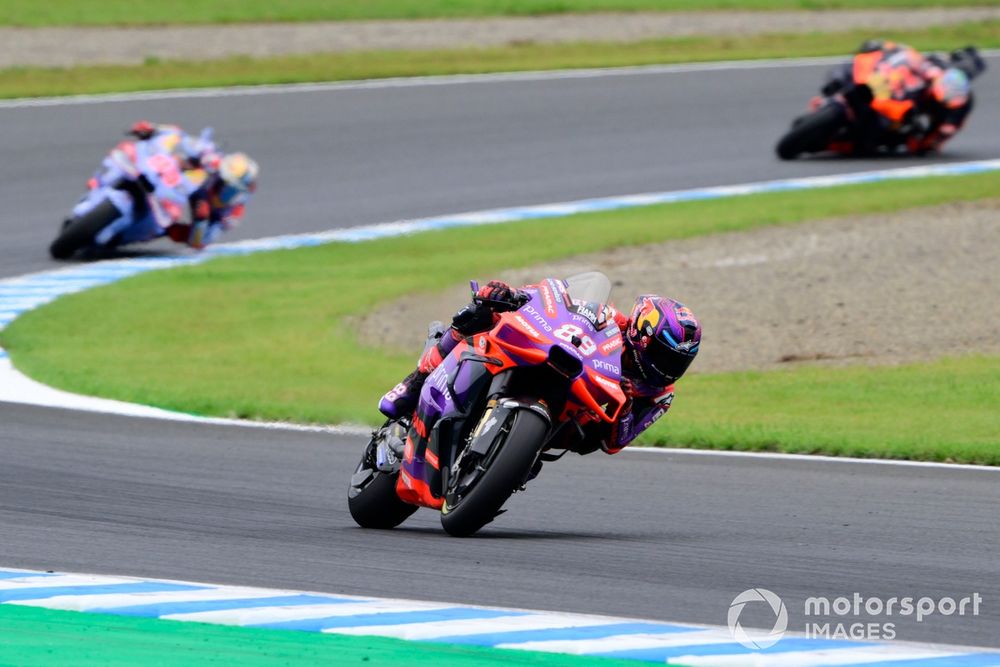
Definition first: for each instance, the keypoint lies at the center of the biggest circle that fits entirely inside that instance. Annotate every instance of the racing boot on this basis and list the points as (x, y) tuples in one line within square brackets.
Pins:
[(400, 401), (389, 448)]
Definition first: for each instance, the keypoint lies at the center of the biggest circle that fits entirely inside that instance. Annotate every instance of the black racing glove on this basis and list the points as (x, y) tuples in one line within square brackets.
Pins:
[(472, 319)]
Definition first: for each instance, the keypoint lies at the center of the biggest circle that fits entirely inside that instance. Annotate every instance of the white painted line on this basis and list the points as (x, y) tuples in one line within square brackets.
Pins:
[(625, 642), (844, 656), (58, 581), (458, 628), (15, 387), (781, 456), (422, 81), (412, 82), (261, 615), (120, 600)]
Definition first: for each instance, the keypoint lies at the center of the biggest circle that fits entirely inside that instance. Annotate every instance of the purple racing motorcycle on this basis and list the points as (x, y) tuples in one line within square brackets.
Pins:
[(504, 401)]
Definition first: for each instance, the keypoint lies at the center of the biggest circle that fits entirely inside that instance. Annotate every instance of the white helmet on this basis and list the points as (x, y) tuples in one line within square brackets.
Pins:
[(238, 176)]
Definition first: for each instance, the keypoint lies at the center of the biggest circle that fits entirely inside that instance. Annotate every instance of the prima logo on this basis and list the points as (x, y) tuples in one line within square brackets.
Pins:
[(535, 315), (601, 365)]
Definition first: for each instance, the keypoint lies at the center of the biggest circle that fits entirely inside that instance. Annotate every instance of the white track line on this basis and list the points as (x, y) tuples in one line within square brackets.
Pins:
[(782, 456), (422, 81), (845, 656), (465, 627), (85, 602), (279, 614)]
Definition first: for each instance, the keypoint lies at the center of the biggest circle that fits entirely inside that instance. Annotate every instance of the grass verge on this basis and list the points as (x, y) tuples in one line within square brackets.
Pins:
[(31, 636), (147, 12), (265, 336), (939, 411), (157, 75)]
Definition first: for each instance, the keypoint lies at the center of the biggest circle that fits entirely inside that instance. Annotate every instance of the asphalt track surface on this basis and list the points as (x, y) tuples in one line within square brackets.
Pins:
[(651, 535)]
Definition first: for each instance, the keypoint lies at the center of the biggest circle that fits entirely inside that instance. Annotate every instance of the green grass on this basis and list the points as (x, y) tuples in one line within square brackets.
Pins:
[(31, 637), (940, 411), (266, 337), (134, 12), (155, 74)]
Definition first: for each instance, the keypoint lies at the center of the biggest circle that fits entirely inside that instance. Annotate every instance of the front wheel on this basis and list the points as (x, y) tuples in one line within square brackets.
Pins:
[(506, 468), (812, 133), (372, 498), (80, 232)]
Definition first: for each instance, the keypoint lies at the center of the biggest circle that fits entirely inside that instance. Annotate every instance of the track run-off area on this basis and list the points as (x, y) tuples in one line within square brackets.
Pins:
[(667, 536)]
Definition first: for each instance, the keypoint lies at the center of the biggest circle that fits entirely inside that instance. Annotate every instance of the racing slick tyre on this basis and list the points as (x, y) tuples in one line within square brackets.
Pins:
[(80, 232), (812, 133), (372, 498), (507, 471)]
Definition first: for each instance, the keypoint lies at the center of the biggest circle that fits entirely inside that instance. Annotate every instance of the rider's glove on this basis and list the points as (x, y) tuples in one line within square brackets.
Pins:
[(472, 318), (142, 129), (497, 290), (179, 233), (499, 296)]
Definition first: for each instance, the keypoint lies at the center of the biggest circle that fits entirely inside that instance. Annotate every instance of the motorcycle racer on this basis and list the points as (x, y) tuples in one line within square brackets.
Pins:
[(219, 200), (220, 185), (924, 97), (947, 106), (660, 340), (214, 186)]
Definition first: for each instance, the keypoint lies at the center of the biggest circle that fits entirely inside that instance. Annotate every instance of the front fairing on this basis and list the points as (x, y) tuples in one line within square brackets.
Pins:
[(589, 357)]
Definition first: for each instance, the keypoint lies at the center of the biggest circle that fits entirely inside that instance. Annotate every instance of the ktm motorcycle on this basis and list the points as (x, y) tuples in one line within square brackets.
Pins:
[(503, 402), (869, 106)]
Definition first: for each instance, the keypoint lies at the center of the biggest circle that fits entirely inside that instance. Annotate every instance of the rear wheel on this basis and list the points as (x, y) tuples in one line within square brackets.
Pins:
[(812, 133), (495, 476), (372, 498), (80, 232)]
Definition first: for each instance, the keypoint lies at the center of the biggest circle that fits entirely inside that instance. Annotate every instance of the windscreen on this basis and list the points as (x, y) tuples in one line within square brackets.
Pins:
[(592, 286)]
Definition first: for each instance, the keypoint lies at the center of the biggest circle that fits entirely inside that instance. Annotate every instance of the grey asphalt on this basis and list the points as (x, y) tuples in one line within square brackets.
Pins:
[(348, 157), (657, 536), (650, 535)]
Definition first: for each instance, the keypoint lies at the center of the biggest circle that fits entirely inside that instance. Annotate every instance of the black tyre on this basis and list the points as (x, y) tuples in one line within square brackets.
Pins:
[(505, 473), (812, 133), (80, 232), (372, 498)]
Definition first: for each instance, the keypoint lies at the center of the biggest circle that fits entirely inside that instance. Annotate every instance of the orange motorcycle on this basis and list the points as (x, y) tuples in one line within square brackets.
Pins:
[(875, 104)]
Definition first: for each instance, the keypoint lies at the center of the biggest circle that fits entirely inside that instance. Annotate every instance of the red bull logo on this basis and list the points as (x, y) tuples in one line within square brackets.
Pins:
[(648, 319)]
